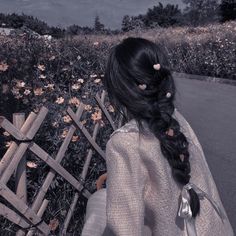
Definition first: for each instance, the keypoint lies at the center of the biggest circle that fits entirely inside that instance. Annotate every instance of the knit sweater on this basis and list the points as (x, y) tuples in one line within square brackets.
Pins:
[(141, 190)]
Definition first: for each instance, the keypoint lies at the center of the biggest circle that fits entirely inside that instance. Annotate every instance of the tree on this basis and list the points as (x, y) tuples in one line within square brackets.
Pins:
[(162, 16), (201, 11), (98, 26), (228, 10), (72, 29), (126, 23), (132, 22)]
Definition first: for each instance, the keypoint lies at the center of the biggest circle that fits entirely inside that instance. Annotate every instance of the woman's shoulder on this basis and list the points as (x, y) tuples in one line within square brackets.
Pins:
[(132, 125), (128, 127)]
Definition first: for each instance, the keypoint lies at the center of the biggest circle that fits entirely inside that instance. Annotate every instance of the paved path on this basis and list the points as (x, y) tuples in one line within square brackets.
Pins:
[(210, 108)]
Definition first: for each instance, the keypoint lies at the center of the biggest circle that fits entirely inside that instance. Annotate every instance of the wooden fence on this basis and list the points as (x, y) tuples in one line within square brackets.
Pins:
[(22, 130)]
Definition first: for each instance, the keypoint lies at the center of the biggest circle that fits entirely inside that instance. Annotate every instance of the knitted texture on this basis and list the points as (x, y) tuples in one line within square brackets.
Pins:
[(141, 189)]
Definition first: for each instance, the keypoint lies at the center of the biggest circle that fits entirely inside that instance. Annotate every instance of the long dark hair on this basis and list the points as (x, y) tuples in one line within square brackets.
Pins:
[(129, 64)]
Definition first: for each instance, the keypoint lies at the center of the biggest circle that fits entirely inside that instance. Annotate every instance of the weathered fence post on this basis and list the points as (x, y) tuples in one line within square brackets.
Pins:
[(20, 173)]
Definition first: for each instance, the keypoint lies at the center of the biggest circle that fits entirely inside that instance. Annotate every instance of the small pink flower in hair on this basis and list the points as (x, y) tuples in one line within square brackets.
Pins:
[(170, 132), (168, 95), (157, 66), (181, 157), (142, 86)]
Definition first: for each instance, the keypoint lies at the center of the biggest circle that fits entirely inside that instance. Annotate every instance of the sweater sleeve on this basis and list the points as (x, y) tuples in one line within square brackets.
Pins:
[(125, 204)]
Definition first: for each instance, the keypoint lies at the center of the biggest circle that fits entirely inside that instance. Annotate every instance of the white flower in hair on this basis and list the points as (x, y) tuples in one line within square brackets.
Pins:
[(142, 86), (168, 95), (157, 66)]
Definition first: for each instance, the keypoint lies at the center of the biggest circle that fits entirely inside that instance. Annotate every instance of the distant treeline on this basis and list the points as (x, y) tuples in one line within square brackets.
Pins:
[(195, 13), (17, 21)]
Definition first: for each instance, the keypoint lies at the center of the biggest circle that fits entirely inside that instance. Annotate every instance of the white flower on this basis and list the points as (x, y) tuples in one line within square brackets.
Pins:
[(6, 133), (41, 67), (31, 164), (27, 92), (76, 86), (42, 76), (97, 81), (15, 91), (80, 81), (50, 86), (20, 84), (55, 124), (60, 100), (93, 76)]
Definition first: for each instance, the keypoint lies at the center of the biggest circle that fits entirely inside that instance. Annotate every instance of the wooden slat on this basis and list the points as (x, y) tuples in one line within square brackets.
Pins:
[(10, 128), (12, 216), (16, 133), (86, 133), (14, 162), (70, 213), (40, 214), (37, 122), (23, 208), (102, 106), (20, 173), (7, 157)]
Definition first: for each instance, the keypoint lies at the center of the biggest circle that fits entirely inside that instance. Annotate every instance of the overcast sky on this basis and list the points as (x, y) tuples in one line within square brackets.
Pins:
[(82, 12)]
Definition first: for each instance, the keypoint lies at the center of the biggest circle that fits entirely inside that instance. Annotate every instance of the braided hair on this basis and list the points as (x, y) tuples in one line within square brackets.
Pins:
[(129, 65)]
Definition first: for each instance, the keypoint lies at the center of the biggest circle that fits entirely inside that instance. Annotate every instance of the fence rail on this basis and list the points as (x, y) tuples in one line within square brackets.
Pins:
[(22, 131)]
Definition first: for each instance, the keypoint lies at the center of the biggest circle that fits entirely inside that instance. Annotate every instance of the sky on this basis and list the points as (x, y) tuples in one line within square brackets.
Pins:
[(81, 12)]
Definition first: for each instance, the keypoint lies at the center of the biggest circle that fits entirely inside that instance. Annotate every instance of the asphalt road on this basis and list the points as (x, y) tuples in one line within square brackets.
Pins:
[(210, 108)]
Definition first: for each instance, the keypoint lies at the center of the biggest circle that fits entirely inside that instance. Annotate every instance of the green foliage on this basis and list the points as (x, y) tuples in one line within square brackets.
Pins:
[(200, 12), (98, 26), (132, 22), (163, 16), (17, 21), (228, 10)]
